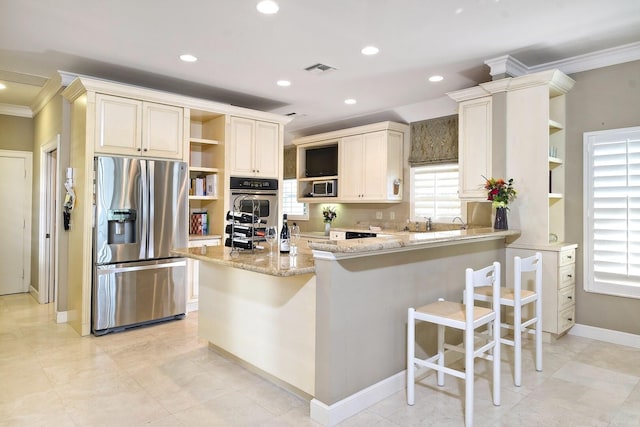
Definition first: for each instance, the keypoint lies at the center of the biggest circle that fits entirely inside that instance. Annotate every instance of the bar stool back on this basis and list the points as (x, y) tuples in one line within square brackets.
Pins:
[(517, 297)]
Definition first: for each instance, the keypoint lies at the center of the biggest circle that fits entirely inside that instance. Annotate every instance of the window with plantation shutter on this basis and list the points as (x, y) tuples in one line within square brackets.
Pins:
[(434, 193), (291, 206), (612, 212)]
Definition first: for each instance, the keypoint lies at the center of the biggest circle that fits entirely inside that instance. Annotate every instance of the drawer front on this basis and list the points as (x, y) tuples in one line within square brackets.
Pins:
[(566, 275), (566, 318), (567, 257), (566, 297)]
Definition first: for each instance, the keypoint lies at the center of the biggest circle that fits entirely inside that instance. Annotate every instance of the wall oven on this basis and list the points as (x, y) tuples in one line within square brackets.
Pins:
[(253, 206)]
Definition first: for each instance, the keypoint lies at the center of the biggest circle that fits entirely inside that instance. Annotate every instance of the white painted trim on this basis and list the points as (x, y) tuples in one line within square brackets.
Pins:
[(62, 316), (606, 335), (16, 110), (192, 306), (45, 150), (575, 64), (34, 293), (330, 415)]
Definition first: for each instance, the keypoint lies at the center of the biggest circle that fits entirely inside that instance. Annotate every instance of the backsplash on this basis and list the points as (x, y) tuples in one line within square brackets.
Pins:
[(387, 216)]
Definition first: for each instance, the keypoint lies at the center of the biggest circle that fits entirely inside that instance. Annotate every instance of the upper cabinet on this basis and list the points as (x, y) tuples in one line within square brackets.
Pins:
[(478, 157), (137, 128), (254, 148), (369, 163)]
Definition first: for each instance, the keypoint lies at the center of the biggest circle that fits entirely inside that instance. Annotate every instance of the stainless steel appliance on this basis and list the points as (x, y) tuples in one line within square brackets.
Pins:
[(326, 188), (256, 198), (140, 215)]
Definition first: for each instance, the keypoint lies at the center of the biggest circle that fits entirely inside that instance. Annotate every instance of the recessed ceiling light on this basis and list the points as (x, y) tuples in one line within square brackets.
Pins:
[(188, 58), (283, 83), (436, 78), (458, 11), (2, 86), (350, 101), (268, 7), (370, 50)]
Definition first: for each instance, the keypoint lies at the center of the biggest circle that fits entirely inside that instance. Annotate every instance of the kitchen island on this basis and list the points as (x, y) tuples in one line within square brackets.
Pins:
[(335, 331)]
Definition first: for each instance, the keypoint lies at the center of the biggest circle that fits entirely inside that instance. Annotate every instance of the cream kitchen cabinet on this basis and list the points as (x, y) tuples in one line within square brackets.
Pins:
[(254, 148), (558, 284), (478, 157), (137, 128), (193, 270), (370, 167)]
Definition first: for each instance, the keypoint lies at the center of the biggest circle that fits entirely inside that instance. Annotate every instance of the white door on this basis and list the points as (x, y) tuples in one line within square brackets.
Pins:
[(15, 218)]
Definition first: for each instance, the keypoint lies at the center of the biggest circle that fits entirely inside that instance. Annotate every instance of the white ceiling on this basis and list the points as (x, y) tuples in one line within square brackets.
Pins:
[(242, 53)]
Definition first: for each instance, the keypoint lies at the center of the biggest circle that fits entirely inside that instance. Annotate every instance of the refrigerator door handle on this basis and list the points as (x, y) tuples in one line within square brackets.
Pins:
[(144, 207), (150, 204), (111, 269)]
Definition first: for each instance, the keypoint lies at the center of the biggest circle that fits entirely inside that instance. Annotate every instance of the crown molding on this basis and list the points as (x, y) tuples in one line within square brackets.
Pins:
[(16, 110), (508, 65), (60, 80)]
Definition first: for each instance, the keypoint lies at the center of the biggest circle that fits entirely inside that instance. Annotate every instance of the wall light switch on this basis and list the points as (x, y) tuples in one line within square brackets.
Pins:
[(379, 215)]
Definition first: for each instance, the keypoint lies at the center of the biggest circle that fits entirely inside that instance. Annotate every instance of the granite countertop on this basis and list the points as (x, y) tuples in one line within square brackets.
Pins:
[(259, 261), (410, 240)]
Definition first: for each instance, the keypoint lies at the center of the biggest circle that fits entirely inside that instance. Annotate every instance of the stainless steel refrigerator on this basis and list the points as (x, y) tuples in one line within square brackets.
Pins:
[(140, 215)]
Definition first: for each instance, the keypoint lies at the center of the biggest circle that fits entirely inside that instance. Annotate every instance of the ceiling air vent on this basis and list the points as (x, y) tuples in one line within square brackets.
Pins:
[(320, 68)]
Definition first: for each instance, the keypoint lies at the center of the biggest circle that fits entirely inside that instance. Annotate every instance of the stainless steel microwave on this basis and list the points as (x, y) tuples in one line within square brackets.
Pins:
[(326, 188)]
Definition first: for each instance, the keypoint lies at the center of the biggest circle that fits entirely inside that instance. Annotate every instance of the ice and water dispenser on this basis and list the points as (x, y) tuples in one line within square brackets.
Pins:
[(122, 226)]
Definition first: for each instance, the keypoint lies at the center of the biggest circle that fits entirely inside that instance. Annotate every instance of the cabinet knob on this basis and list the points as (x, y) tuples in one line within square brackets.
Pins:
[(569, 297), (569, 275), (144, 150), (139, 149)]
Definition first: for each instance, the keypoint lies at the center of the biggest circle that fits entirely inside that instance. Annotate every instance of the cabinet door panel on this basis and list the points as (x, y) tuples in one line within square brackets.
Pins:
[(118, 125), (474, 147), (162, 135), (351, 167), (266, 149), (375, 166), (242, 138)]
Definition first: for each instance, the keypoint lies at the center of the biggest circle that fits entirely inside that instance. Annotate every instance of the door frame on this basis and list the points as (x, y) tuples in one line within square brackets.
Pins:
[(48, 220), (26, 255)]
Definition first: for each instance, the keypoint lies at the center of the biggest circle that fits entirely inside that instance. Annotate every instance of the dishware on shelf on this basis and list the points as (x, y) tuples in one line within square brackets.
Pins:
[(271, 235)]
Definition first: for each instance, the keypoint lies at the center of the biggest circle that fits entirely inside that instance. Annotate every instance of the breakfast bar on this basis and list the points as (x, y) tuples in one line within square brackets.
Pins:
[(331, 323)]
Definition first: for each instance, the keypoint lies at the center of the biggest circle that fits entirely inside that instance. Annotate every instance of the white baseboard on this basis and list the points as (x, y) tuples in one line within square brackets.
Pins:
[(607, 335), (330, 415), (192, 306), (61, 317)]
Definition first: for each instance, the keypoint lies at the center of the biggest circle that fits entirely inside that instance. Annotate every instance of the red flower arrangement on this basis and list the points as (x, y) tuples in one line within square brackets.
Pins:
[(501, 193)]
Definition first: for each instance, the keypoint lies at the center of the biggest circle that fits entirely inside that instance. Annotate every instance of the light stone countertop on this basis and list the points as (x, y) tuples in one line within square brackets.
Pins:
[(303, 262), (259, 261), (409, 240)]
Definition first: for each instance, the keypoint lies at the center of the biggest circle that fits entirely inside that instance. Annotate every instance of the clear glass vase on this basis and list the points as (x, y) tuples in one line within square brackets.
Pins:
[(327, 228)]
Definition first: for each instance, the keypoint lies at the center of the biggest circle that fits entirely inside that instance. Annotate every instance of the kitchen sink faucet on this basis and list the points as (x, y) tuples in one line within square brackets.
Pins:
[(463, 226)]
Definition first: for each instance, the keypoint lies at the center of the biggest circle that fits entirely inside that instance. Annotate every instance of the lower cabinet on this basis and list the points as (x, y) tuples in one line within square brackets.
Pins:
[(558, 284), (193, 272)]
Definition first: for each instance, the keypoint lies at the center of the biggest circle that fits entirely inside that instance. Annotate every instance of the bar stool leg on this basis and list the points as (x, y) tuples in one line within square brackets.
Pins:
[(441, 332), (468, 376), (517, 341), (411, 335), (539, 334)]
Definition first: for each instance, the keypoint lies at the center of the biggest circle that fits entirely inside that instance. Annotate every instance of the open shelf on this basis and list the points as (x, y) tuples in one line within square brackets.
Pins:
[(555, 196), (554, 125), (555, 161), (203, 141)]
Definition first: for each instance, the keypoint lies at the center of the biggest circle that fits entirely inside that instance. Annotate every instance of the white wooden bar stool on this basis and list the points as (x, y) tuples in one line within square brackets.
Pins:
[(467, 318), (517, 297)]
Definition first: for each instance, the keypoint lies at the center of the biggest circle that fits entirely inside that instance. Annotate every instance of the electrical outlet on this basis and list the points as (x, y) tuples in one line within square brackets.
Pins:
[(392, 215), (379, 215)]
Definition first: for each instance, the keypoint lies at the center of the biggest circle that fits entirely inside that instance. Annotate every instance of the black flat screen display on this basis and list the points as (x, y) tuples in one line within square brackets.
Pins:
[(321, 161)]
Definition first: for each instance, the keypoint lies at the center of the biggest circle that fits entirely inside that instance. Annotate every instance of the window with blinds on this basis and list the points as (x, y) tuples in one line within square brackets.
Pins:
[(612, 212), (291, 206), (434, 193)]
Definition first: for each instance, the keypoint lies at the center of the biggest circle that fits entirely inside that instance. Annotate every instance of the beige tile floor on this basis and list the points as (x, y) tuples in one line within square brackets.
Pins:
[(164, 375)]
